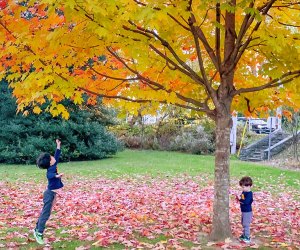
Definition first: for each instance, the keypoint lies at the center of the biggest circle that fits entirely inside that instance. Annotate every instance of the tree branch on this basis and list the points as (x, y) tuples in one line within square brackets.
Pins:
[(207, 47), (218, 35), (112, 77), (207, 84), (244, 27), (238, 52), (286, 5), (76, 47), (257, 44), (143, 100), (174, 64), (248, 105), (274, 83), (153, 83), (183, 26), (169, 47), (189, 8), (199, 55), (289, 25), (229, 40), (114, 97), (204, 18), (137, 31), (88, 15)]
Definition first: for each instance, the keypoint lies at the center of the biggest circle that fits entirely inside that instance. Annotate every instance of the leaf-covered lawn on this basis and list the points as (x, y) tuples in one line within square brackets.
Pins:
[(145, 199), (141, 212)]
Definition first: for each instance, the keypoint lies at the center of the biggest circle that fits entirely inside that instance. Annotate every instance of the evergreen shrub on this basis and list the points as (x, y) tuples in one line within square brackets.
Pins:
[(84, 136)]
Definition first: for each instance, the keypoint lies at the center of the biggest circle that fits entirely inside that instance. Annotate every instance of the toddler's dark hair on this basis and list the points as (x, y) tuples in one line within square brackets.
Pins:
[(246, 181), (43, 161)]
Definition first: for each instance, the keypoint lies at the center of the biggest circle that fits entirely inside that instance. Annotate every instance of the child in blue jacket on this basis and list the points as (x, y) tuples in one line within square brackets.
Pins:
[(245, 201), (49, 162)]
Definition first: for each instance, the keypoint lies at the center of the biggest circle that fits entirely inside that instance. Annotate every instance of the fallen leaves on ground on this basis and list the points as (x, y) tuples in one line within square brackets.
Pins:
[(142, 212)]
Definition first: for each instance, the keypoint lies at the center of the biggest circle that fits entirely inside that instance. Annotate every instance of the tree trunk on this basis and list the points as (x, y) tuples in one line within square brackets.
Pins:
[(221, 225)]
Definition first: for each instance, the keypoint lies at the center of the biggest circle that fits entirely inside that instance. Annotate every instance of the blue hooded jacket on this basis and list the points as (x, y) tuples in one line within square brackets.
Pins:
[(52, 171), (246, 201)]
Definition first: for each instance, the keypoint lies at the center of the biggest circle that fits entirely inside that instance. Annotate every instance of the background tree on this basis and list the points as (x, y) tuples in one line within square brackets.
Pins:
[(84, 135), (208, 56)]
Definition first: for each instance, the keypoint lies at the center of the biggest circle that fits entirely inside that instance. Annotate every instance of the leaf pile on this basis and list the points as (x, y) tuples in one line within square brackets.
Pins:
[(141, 212)]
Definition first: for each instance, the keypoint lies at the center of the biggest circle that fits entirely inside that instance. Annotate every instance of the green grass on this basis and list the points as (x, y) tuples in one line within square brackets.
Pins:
[(157, 163)]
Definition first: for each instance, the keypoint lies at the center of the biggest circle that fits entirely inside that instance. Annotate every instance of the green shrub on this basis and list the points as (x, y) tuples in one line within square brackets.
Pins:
[(169, 135), (193, 140), (83, 136)]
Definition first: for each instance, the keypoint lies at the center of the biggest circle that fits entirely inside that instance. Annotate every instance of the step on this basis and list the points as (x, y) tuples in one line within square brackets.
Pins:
[(254, 159), (256, 155), (256, 151)]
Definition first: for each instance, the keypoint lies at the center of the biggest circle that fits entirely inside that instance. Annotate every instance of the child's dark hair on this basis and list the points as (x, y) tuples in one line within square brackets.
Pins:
[(43, 161), (246, 181)]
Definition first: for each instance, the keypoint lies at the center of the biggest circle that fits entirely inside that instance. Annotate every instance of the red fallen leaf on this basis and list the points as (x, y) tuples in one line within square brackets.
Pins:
[(277, 240), (220, 244), (89, 238), (30, 240), (120, 207), (233, 246), (225, 246), (159, 246), (146, 245), (12, 244), (127, 243), (102, 242), (51, 239), (145, 232)]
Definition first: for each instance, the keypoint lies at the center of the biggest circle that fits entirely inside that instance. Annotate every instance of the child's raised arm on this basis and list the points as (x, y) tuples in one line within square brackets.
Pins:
[(58, 142), (57, 151)]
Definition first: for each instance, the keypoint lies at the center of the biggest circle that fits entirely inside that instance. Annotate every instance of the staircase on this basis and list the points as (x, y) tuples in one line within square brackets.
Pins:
[(258, 151)]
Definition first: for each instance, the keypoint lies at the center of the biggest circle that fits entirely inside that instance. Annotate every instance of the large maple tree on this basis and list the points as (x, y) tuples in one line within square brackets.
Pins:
[(206, 56)]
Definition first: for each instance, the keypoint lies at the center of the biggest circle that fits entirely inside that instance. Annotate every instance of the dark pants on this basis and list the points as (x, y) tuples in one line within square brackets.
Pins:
[(45, 214), (246, 221)]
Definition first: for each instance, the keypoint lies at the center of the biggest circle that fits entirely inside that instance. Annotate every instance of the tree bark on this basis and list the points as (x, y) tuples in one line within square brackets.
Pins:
[(221, 225)]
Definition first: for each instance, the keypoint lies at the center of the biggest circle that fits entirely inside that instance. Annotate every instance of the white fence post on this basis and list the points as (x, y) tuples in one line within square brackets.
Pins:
[(233, 135)]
